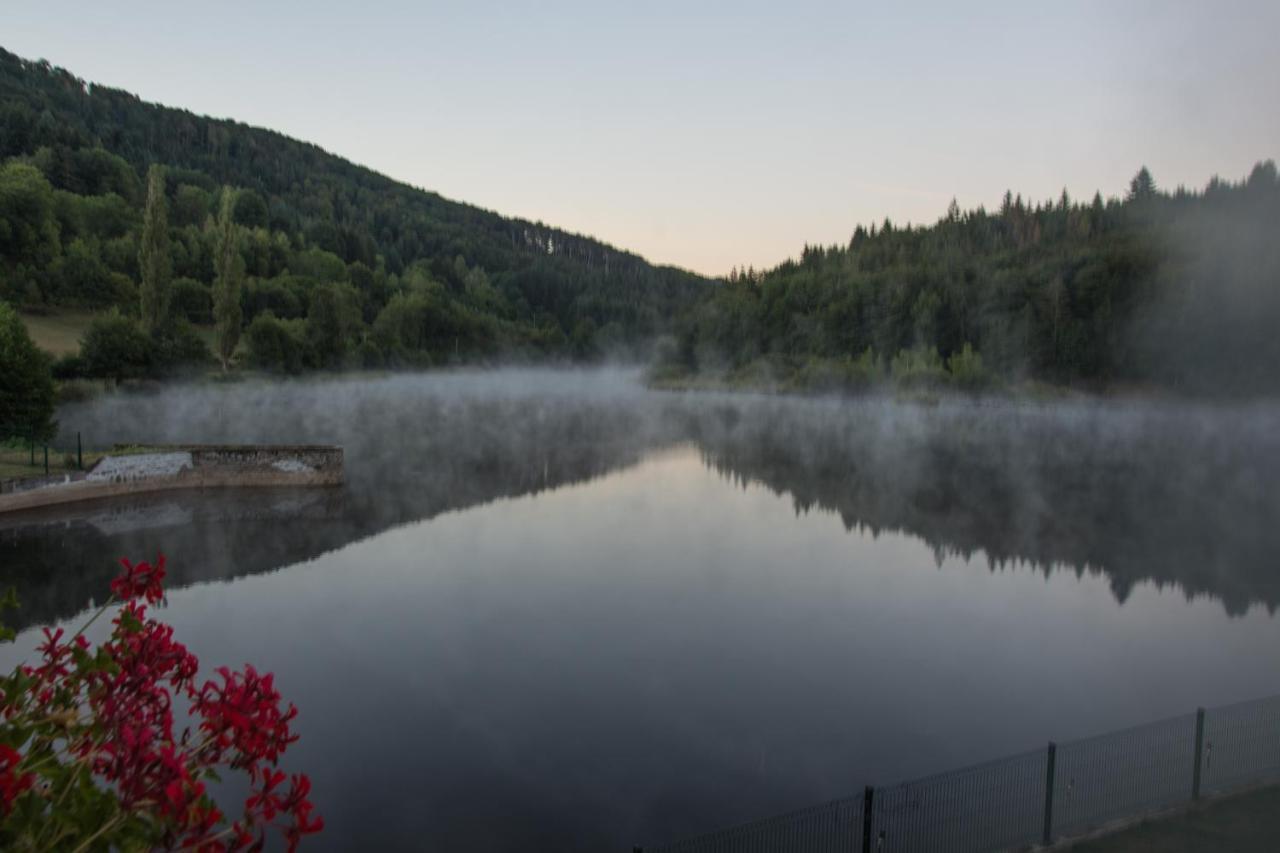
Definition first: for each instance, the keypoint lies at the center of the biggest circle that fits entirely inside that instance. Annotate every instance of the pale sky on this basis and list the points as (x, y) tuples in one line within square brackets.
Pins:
[(710, 134)]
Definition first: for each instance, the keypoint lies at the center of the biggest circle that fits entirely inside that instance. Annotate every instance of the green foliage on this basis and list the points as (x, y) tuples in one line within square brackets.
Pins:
[(333, 323), (179, 348), (80, 277), (966, 369), (191, 206), (192, 300), (26, 382), (114, 347), (229, 275), (153, 255), (29, 241), (88, 171), (250, 210), (917, 367), (284, 296), (306, 219), (1176, 290), (277, 345)]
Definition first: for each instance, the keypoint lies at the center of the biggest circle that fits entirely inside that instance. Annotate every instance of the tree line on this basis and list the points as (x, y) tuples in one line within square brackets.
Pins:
[(178, 220), (1176, 290)]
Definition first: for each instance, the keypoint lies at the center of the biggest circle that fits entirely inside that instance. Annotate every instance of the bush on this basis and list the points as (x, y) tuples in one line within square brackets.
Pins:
[(284, 296), (114, 347), (277, 345), (846, 374), (920, 367), (370, 356), (966, 369), (192, 300), (69, 366), (178, 346)]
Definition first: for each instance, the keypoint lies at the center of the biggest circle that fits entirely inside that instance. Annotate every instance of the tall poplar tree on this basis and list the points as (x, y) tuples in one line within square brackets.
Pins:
[(228, 267), (153, 255)]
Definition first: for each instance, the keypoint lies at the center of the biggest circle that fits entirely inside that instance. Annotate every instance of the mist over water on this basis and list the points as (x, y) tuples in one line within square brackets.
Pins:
[(554, 610)]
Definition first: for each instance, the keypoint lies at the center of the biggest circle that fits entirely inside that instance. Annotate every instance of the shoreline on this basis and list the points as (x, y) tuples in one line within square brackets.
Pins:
[(168, 468)]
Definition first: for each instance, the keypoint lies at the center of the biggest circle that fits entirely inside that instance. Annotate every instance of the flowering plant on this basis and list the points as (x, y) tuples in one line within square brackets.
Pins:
[(89, 756)]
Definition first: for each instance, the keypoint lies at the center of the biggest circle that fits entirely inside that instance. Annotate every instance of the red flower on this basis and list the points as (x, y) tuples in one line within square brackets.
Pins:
[(140, 581), (243, 717), (11, 783), (127, 740)]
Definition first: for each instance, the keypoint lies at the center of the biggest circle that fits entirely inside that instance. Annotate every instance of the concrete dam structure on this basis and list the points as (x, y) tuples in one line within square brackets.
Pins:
[(195, 466)]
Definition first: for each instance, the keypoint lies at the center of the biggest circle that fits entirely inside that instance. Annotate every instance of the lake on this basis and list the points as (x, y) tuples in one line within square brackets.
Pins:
[(554, 610)]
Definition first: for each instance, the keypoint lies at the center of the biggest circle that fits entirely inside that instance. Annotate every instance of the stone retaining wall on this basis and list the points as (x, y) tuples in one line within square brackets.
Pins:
[(196, 466)]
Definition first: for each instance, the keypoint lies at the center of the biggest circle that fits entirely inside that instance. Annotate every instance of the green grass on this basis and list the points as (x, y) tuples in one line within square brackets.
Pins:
[(59, 331), (1248, 823), (15, 462), (15, 459)]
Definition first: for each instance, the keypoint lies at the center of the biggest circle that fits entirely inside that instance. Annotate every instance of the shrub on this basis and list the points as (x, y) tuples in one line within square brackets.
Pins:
[(277, 345), (114, 347), (69, 366), (177, 346), (966, 369), (920, 367), (192, 300)]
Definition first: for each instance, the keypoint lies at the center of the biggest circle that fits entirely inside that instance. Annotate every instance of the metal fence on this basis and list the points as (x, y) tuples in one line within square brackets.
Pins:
[(1034, 798)]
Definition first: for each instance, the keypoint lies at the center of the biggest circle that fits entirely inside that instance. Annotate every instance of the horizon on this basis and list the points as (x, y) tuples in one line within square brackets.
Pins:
[(588, 156)]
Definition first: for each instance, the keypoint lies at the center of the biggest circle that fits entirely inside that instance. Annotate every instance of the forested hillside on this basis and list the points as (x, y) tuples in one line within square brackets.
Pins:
[(337, 265), (1177, 290)]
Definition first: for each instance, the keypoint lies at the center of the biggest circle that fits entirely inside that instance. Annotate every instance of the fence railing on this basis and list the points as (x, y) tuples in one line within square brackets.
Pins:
[(38, 453), (1035, 798)]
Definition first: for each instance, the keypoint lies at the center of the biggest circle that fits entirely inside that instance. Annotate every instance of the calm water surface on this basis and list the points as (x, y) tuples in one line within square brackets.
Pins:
[(555, 611)]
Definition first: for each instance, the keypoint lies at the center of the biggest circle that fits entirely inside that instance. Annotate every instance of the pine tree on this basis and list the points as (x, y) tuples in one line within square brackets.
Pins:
[(153, 255), (1143, 186), (228, 265)]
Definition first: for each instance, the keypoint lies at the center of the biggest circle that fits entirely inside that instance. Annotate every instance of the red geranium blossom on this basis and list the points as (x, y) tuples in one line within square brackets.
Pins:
[(12, 783), (140, 581), (109, 711)]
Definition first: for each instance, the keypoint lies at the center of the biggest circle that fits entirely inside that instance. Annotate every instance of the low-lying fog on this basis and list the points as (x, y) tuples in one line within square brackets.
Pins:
[(556, 609)]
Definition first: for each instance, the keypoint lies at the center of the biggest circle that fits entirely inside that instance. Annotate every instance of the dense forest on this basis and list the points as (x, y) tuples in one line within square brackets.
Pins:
[(202, 240), (1177, 290), (328, 264)]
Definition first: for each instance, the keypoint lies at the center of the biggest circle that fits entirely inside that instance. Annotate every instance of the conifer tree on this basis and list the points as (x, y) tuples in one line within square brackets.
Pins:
[(1143, 186)]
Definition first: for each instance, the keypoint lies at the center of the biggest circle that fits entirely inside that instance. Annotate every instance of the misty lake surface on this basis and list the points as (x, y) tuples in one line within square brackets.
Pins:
[(554, 610)]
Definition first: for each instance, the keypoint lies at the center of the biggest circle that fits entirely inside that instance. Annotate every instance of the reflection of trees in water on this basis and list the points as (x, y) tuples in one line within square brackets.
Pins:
[(448, 456), (1172, 497), (1155, 493)]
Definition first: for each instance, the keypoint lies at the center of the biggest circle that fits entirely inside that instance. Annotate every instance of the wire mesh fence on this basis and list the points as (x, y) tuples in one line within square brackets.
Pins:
[(992, 806), (834, 827), (1102, 779), (1241, 746), (1034, 798)]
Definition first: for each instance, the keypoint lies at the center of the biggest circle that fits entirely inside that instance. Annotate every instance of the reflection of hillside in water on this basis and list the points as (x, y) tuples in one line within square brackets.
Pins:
[(1159, 494), (452, 456), (1173, 495)]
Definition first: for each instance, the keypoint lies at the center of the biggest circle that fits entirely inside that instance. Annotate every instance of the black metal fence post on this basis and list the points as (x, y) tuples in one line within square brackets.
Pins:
[(46, 460), (1195, 768), (1052, 759), (868, 800), (79, 454)]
